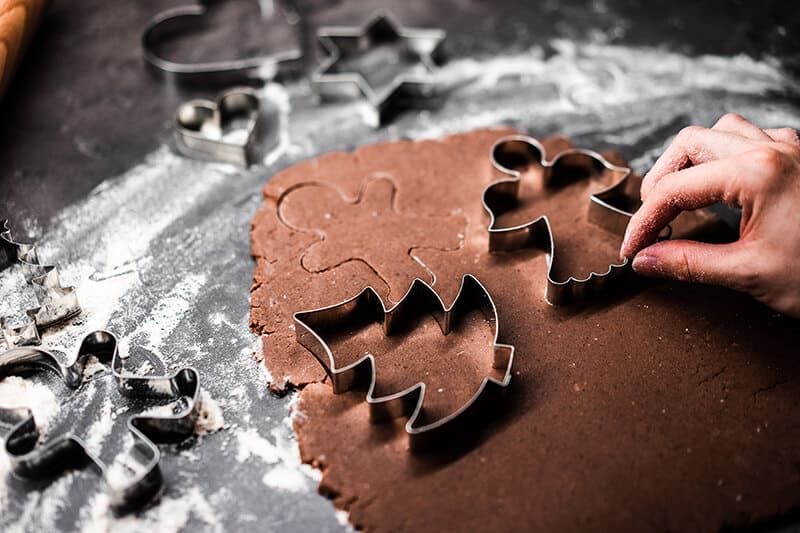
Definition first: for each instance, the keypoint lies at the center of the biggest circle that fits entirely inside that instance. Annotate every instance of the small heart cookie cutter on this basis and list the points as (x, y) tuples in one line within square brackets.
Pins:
[(200, 127), (420, 299)]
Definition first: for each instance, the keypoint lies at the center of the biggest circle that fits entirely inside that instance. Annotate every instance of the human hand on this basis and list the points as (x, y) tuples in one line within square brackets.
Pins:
[(739, 164)]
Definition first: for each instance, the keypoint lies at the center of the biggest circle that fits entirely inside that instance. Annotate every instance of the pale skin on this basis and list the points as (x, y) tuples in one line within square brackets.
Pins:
[(742, 165)]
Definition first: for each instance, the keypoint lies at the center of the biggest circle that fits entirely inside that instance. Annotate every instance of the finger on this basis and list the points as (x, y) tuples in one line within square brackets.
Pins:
[(694, 146), (687, 189), (784, 135), (733, 123), (716, 264)]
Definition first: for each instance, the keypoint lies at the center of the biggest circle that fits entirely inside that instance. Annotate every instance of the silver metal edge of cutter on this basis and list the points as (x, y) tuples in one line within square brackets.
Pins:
[(56, 303), (31, 459), (225, 72), (420, 299), (193, 142), (426, 44), (537, 234)]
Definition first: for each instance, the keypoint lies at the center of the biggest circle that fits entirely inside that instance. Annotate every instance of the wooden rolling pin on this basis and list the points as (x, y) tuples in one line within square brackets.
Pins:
[(18, 22)]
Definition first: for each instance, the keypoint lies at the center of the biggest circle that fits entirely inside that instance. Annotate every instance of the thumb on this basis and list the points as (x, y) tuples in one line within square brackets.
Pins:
[(716, 264)]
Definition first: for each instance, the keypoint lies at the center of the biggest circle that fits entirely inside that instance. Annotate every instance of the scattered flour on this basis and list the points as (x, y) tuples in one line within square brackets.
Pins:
[(343, 517), (16, 392), (171, 514), (211, 418), (124, 468), (142, 260), (285, 470), (100, 429), (168, 312), (92, 368)]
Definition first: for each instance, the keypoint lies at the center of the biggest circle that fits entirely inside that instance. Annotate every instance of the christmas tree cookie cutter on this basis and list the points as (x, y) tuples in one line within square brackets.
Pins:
[(421, 299), (55, 303)]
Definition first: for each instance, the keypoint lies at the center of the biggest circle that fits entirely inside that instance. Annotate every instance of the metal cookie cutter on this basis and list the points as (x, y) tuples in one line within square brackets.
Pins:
[(143, 480), (420, 299), (332, 79), (190, 18), (220, 131), (56, 303), (610, 208)]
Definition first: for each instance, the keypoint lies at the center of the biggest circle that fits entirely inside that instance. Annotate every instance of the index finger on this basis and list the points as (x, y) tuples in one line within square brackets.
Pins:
[(687, 189), (695, 145)]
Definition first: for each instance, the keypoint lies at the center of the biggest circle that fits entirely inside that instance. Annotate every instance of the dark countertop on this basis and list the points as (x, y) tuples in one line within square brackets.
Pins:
[(83, 109)]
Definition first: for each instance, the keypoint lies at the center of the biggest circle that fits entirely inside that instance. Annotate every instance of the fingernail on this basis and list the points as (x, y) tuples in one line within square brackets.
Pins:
[(623, 249), (645, 264)]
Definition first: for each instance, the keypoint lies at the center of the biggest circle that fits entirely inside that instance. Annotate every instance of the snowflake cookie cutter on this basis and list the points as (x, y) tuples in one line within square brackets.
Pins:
[(200, 127), (339, 42), (55, 303), (183, 19), (143, 479), (609, 209), (420, 299)]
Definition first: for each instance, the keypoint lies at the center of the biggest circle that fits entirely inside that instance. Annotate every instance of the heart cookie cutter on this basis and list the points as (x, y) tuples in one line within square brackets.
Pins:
[(200, 127), (420, 299), (424, 45), (210, 73), (610, 209), (55, 303), (142, 479)]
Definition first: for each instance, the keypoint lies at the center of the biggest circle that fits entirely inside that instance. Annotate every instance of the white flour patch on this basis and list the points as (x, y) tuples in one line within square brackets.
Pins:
[(16, 392), (581, 77), (100, 429), (168, 312), (211, 418), (124, 468), (171, 515), (285, 471), (278, 96), (343, 517), (92, 368), (251, 444)]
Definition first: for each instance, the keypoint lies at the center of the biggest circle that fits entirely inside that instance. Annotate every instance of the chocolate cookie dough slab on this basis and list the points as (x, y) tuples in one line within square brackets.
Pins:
[(666, 406)]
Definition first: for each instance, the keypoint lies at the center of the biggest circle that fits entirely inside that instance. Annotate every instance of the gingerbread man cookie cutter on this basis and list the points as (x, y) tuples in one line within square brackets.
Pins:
[(420, 299), (610, 209), (55, 303), (31, 458)]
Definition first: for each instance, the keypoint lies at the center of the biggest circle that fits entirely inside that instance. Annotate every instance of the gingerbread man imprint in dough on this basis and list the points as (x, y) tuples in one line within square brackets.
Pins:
[(368, 228)]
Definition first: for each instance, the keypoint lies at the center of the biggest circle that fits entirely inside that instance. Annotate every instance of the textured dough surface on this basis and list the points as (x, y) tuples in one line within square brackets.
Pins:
[(662, 406)]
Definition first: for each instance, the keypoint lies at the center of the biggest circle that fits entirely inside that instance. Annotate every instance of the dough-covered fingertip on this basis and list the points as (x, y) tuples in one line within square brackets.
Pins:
[(625, 248)]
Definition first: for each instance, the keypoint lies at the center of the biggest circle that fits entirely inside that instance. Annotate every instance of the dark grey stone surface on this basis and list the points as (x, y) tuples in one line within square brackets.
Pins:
[(84, 109)]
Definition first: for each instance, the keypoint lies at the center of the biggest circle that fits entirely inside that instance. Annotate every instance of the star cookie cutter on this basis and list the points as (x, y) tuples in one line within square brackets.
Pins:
[(56, 303), (424, 45), (31, 458), (520, 151), (420, 299), (179, 20), (200, 127)]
